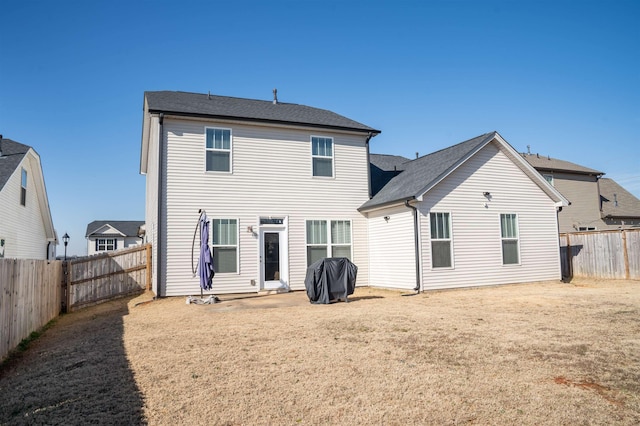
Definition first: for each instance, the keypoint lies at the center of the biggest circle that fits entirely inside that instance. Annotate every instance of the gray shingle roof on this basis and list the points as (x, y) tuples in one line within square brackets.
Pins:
[(204, 105), (127, 227), (383, 168), (12, 154), (425, 171), (542, 163), (628, 205)]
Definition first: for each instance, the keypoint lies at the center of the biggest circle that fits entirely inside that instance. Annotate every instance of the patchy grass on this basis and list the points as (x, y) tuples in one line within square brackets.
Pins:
[(542, 353)]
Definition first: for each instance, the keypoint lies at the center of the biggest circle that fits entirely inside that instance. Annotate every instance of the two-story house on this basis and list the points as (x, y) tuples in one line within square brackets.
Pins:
[(26, 227), (596, 203), (109, 235), (286, 184), (281, 183)]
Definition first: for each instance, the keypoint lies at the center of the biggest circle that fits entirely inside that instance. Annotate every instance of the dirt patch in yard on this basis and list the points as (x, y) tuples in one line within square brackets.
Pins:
[(541, 353)]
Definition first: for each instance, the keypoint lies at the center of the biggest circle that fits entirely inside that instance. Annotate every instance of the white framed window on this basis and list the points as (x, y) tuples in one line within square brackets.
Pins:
[(328, 238), (441, 246), (322, 156), (218, 150), (509, 235), (224, 235), (106, 244), (548, 178), (23, 188)]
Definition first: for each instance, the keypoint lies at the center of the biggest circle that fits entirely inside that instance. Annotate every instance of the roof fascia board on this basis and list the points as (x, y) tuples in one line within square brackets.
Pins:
[(41, 190), (146, 132), (575, 172), (275, 123), (387, 205)]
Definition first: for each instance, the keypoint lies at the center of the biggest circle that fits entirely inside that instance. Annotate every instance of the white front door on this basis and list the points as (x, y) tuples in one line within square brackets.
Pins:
[(274, 255)]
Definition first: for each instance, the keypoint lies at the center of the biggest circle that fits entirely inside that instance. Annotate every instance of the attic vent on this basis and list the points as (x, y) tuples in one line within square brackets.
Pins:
[(417, 155), (275, 96)]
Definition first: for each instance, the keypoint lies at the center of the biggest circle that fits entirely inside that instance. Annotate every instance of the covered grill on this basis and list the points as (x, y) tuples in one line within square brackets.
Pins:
[(330, 279)]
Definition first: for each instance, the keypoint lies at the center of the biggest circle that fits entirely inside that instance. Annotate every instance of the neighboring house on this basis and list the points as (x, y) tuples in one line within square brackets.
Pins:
[(280, 182), (284, 185), (620, 208), (592, 198), (472, 214), (109, 235), (26, 227)]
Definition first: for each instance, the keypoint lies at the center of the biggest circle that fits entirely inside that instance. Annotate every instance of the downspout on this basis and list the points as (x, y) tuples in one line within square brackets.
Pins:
[(160, 233), (369, 136), (416, 239)]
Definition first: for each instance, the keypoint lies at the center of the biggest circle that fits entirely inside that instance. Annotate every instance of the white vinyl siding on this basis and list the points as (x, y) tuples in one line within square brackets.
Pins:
[(509, 236), (322, 156), (477, 248), (441, 249), (392, 248), (22, 226), (218, 150), (224, 234), (275, 183)]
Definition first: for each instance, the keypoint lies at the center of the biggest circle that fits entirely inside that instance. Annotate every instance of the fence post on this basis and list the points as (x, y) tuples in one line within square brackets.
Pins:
[(569, 257), (625, 253), (149, 268)]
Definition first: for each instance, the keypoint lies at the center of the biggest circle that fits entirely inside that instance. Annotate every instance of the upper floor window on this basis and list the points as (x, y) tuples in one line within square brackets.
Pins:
[(225, 245), (218, 150), (23, 188), (322, 156), (548, 178), (440, 240), (106, 244), (509, 229)]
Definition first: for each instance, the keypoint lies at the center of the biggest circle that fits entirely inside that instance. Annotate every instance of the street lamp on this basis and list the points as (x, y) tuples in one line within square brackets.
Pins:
[(65, 238)]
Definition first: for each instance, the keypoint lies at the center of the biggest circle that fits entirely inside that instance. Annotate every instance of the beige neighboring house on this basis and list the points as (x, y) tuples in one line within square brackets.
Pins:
[(596, 203), (110, 235), (26, 227)]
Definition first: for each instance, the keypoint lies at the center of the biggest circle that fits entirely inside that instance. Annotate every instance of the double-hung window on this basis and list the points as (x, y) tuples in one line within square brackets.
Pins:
[(322, 156), (218, 150), (441, 240), (106, 244), (509, 229), (328, 239), (23, 188), (225, 245)]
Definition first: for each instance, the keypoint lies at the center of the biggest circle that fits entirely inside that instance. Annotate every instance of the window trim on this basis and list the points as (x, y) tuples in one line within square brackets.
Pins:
[(23, 186), (329, 244), (450, 240), (517, 239), (230, 150), (237, 245), (325, 157)]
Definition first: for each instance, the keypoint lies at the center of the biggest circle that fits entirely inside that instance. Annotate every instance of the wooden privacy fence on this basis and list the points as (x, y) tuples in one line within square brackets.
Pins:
[(601, 254), (104, 276), (30, 296)]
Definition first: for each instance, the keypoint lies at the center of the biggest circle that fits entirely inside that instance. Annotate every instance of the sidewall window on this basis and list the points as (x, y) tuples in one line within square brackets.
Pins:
[(510, 240), (441, 246)]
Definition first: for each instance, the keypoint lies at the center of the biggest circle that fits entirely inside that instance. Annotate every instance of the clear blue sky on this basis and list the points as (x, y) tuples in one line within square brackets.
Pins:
[(560, 76)]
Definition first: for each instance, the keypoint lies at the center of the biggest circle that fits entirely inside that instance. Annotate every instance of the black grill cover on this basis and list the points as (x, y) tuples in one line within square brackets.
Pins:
[(329, 279)]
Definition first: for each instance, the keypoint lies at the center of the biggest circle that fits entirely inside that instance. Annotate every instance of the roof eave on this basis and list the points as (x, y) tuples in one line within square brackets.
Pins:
[(264, 120)]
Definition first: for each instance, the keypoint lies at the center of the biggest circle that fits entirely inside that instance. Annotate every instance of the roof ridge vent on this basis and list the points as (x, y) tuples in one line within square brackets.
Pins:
[(275, 96)]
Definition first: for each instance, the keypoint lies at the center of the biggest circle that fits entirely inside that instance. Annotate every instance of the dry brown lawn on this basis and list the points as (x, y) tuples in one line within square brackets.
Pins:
[(541, 353)]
